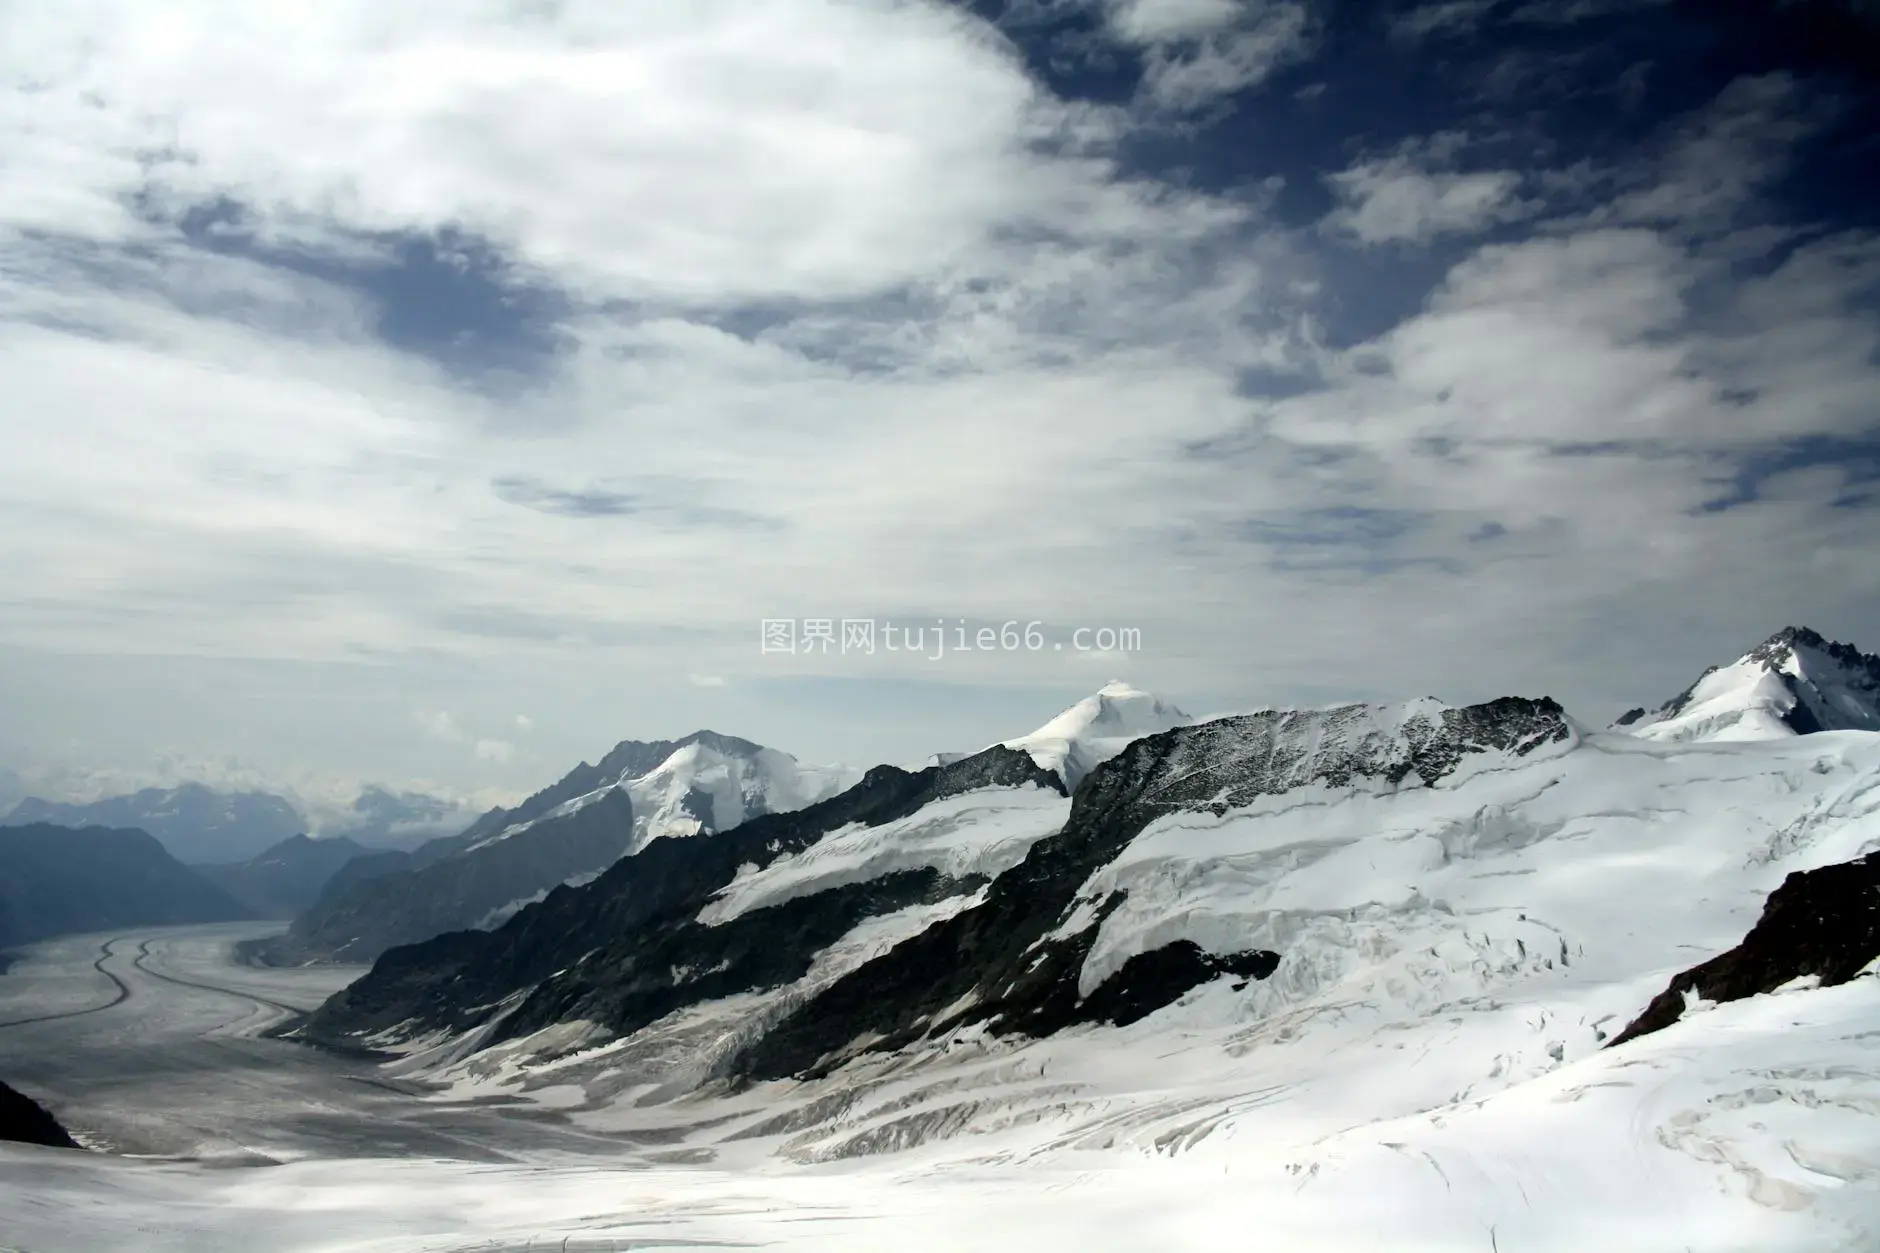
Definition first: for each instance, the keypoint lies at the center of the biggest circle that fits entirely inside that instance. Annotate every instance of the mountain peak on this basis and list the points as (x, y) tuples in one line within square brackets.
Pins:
[(1096, 728), (699, 783), (1796, 682)]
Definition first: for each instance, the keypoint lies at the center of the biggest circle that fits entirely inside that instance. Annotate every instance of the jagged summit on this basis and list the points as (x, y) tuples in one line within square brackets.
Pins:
[(1796, 682), (1097, 728)]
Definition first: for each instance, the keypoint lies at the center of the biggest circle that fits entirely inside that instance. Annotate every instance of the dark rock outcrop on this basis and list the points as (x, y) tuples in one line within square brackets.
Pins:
[(58, 880), (25, 1121), (1161, 976), (1822, 922)]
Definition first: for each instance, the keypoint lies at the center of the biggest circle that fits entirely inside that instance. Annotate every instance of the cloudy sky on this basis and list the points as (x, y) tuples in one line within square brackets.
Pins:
[(443, 391)]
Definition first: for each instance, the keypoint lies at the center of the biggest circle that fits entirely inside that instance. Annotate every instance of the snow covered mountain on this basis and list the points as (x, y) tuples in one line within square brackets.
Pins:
[(1339, 952), (1097, 728), (563, 835), (707, 783), (900, 847), (1793, 683), (750, 910)]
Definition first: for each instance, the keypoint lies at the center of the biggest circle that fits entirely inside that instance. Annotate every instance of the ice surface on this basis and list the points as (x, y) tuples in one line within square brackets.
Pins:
[(984, 832), (1749, 1128)]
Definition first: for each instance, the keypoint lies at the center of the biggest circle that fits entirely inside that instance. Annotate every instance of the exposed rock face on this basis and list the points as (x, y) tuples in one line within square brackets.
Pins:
[(1793, 683), (1012, 963), (58, 880), (1150, 980), (1823, 923), (25, 1121), (629, 947)]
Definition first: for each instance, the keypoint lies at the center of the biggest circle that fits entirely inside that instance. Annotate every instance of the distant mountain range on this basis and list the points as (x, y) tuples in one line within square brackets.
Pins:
[(194, 822), (1293, 881), (58, 880), (200, 825)]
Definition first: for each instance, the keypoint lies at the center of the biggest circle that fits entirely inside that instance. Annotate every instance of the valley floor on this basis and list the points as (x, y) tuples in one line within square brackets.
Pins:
[(1751, 1126)]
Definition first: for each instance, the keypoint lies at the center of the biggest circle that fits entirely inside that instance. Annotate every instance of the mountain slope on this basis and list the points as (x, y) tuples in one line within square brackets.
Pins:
[(1793, 683), (653, 935), (197, 824), (567, 833), (281, 881), (1821, 927), (391, 899), (1054, 944), (57, 880)]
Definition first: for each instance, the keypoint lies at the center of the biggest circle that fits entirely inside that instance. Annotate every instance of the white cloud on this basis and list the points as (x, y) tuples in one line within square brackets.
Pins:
[(1467, 17), (524, 723), (1410, 196), (1712, 168), (1197, 51), (498, 751), (440, 725), (1444, 17), (706, 680), (879, 138), (226, 424)]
